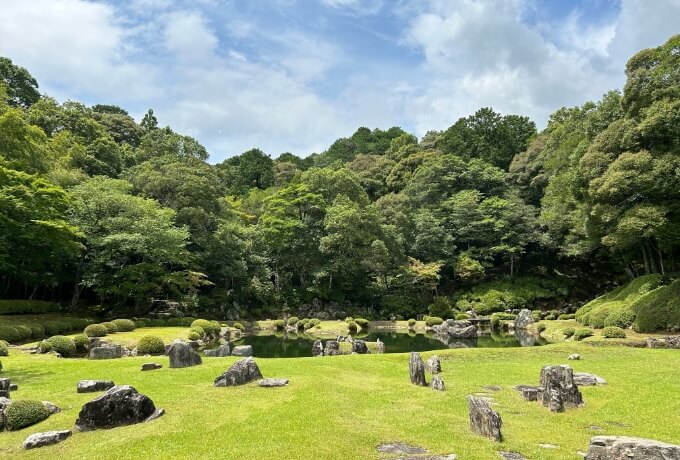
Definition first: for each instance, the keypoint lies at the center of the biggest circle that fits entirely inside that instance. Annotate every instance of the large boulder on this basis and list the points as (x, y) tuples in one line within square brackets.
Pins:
[(181, 354), (46, 439), (106, 352), (119, 406), (558, 385), (92, 386), (242, 350), (622, 447), (416, 368), (524, 319), (452, 330), (219, 352), (240, 373), (484, 420), (359, 347)]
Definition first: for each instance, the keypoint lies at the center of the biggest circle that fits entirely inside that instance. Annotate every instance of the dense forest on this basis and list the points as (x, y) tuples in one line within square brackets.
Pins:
[(97, 209)]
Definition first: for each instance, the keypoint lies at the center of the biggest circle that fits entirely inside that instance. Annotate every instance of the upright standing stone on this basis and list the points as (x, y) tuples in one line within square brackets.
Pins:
[(524, 319), (4, 388), (434, 364), (559, 380), (438, 383), (623, 447), (107, 352), (317, 348), (416, 368), (380, 346), (182, 355), (484, 420)]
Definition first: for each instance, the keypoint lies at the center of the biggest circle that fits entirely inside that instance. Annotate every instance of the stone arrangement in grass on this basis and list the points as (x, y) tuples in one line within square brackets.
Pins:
[(417, 367), (557, 389), (484, 420), (121, 405)]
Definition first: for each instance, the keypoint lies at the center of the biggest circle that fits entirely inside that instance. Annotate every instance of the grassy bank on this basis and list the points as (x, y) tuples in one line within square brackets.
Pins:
[(343, 407)]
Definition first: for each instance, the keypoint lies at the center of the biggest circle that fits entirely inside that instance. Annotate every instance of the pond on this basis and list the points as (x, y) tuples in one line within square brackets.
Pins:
[(300, 345)]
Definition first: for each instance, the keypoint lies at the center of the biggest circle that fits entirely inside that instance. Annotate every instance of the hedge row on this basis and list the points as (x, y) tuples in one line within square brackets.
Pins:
[(27, 307), (37, 329)]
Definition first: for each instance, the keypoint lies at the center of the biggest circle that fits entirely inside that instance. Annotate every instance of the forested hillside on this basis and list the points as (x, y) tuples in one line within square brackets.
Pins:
[(96, 208)]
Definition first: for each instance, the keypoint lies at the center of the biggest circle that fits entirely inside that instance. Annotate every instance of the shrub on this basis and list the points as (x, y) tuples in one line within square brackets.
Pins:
[(279, 324), (110, 327), (193, 335), (498, 317), (76, 324), (363, 323), (433, 321), (411, 322), (541, 327), (568, 332), (441, 307), (81, 342), (18, 307), (658, 310), (150, 345), (308, 324), (37, 331), (45, 346), (157, 322), (63, 345), (55, 327), (174, 322), (4, 349), (21, 414), (124, 325), (197, 330), (622, 317), (139, 324), (96, 330), (582, 333), (462, 316), (613, 332), (353, 326), (551, 317), (4, 342), (145, 321), (24, 331), (293, 320), (315, 322), (186, 321), (565, 316), (239, 326), (208, 327), (302, 323), (536, 315), (348, 319), (9, 334)]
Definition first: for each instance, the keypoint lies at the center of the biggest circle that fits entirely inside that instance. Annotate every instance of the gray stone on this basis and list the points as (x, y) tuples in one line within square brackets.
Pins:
[(380, 346), (51, 408), (359, 347), (92, 386), (107, 352), (622, 447), (524, 319), (452, 330), (151, 366), (574, 357), (242, 350), (438, 383), (416, 368), (434, 364), (13, 387), (511, 455), (181, 354), (119, 406), (4, 388), (332, 348), (317, 348), (46, 439), (271, 383), (240, 373), (400, 448), (484, 420), (530, 394), (585, 380), (219, 352), (493, 388), (561, 380), (555, 403), (93, 342), (195, 344)]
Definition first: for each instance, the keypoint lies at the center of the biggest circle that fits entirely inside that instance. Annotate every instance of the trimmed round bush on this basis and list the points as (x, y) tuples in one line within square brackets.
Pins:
[(433, 321), (193, 335), (146, 321), (37, 331), (565, 316), (174, 322), (293, 320), (24, 331), (613, 332), (4, 349), (622, 317), (96, 330), (124, 325), (568, 332), (21, 414), (81, 342), (279, 324), (150, 345), (541, 327), (582, 333), (208, 327), (462, 316), (363, 323), (240, 327), (110, 327), (77, 324), (45, 346), (65, 346), (9, 334), (411, 322), (348, 319), (158, 322), (197, 330), (186, 321), (315, 322), (551, 317), (4, 342), (139, 324)]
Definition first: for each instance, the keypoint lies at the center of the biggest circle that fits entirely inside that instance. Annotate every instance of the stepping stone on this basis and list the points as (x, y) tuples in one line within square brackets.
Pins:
[(585, 379), (271, 383), (511, 456), (493, 388), (400, 448), (151, 366), (91, 386), (549, 446), (46, 439), (438, 383)]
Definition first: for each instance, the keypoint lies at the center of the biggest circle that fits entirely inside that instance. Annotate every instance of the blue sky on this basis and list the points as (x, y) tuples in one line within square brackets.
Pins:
[(294, 75)]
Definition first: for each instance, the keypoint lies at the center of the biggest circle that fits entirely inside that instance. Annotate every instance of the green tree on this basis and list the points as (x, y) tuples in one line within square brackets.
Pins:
[(22, 88)]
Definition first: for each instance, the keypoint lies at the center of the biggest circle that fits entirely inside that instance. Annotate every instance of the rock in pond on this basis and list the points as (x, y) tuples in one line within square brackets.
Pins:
[(151, 366), (484, 420), (416, 368), (271, 383), (558, 384), (623, 447), (181, 354), (219, 352), (240, 373), (524, 319), (438, 383), (359, 347), (92, 386), (242, 350), (46, 439), (119, 406)]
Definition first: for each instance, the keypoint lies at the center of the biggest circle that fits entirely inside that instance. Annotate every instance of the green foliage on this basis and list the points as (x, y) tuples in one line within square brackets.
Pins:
[(613, 332), (45, 346), (293, 320), (23, 413), (240, 327), (658, 310), (568, 332), (440, 306), (194, 335), (462, 316), (124, 325), (65, 346), (362, 323), (150, 345), (37, 330), (351, 325), (111, 327), (55, 327), (8, 333), (81, 341), (279, 324), (157, 322), (209, 327), (27, 307), (96, 330), (565, 316), (582, 333), (411, 322), (197, 331), (541, 327), (433, 321), (4, 349)]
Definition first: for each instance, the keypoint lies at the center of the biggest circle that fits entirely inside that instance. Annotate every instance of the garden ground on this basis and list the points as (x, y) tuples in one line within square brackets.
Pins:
[(342, 407)]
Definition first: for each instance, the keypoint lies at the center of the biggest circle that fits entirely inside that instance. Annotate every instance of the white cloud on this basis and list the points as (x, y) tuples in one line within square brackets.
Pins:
[(188, 36), (359, 7)]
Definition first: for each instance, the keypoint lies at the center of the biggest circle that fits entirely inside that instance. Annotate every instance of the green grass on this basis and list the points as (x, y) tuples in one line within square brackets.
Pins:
[(553, 333), (342, 407)]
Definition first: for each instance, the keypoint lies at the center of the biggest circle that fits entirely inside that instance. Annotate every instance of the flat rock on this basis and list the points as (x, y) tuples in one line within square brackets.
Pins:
[(219, 352), (182, 354), (400, 448), (240, 373), (107, 352), (549, 446), (151, 366), (585, 379), (574, 357), (119, 406), (359, 347), (46, 439), (242, 350), (270, 383), (92, 386), (511, 456), (623, 447), (493, 388)]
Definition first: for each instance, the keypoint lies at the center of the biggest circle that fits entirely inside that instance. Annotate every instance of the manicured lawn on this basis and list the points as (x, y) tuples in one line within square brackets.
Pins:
[(553, 333), (343, 407)]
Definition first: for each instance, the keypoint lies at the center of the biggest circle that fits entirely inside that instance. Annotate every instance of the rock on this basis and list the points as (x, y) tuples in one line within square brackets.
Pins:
[(46, 439), (219, 352), (271, 383), (317, 348), (240, 373), (93, 342), (511, 455), (555, 402), (181, 354), (92, 386), (332, 348), (484, 420), (493, 388), (51, 408), (524, 319), (560, 379), (585, 380), (530, 394), (359, 347), (195, 344), (242, 350), (622, 447), (417, 369), (4, 388), (380, 346), (574, 357), (119, 406), (672, 341), (438, 383), (13, 387), (151, 366), (434, 364), (107, 352), (400, 448), (452, 330)]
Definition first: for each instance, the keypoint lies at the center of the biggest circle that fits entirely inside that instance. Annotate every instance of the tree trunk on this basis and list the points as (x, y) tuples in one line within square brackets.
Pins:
[(645, 260)]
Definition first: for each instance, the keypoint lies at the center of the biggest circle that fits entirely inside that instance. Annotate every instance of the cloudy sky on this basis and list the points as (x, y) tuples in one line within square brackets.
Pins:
[(294, 75)]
